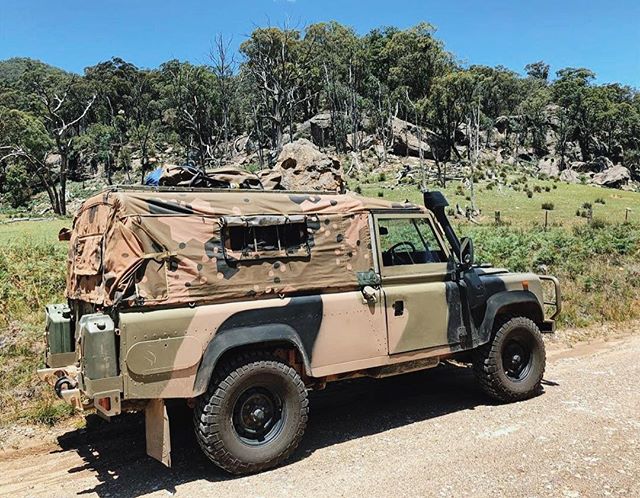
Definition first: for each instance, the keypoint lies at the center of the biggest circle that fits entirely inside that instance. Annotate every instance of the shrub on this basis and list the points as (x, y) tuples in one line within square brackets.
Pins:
[(18, 186), (358, 189), (588, 251), (537, 189), (382, 177), (548, 206), (599, 200), (380, 193), (529, 194), (252, 167), (547, 188), (587, 205), (48, 412)]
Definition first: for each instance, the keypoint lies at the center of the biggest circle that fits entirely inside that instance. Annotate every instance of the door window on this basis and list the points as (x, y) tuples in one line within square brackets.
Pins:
[(409, 241)]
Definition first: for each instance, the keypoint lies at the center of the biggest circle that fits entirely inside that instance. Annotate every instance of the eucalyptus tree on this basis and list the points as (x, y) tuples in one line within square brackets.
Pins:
[(62, 102), (276, 67), (193, 109)]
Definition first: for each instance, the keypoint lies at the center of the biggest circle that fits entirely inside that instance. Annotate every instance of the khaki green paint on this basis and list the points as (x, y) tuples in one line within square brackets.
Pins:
[(164, 355), (422, 291), (423, 323)]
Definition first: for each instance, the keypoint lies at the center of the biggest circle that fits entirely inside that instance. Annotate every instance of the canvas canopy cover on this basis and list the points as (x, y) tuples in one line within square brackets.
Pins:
[(148, 247)]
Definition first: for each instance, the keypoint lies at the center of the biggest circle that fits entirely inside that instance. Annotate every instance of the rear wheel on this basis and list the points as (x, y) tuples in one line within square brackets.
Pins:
[(253, 415), (511, 366)]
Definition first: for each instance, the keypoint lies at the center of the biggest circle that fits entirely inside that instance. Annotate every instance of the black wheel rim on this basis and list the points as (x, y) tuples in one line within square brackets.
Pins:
[(258, 416), (517, 355)]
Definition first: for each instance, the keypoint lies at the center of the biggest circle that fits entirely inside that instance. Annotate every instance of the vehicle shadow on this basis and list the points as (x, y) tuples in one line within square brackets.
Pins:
[(344, 411)]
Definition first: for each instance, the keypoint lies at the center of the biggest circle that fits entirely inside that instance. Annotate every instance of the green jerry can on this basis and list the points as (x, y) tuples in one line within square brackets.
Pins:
[(58, 328), (98, 337)]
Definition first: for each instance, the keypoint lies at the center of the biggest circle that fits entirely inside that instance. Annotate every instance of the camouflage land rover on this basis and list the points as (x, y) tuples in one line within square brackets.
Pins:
[(239, 302)]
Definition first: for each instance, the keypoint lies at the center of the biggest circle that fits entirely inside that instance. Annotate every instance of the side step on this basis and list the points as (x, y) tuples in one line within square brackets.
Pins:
[(401, 368)]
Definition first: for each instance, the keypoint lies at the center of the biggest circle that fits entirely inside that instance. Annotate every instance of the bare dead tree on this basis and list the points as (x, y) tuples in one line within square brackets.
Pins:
[(418, 123), (278, 65), (224, 66), (473, 148)]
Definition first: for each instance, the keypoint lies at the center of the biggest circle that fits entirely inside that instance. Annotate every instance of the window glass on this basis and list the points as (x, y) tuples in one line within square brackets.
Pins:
[(408, 241)]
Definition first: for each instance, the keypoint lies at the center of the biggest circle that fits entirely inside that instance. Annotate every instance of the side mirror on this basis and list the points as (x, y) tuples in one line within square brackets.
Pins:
[(466, 253)]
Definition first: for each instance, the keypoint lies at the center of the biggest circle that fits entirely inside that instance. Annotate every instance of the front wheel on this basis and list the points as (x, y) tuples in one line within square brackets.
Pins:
[(253, 415), (510, 367)]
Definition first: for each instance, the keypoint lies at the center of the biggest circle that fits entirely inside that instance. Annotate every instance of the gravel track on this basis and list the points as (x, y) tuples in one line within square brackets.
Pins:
[(426, 434)]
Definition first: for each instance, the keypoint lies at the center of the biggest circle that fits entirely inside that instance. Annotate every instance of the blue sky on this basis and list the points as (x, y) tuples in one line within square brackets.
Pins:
[(601, 35)]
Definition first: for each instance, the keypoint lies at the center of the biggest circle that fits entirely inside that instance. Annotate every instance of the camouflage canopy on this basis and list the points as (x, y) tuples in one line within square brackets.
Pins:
[(161, 247)]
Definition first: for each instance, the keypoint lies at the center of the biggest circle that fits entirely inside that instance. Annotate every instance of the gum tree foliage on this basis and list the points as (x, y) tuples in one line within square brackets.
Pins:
[(192, 107), (113, 119), (276, 66), (27, 147)]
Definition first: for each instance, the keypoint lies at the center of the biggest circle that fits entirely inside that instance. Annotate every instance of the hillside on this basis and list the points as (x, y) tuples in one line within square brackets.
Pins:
[(392, 101), (12, 70)]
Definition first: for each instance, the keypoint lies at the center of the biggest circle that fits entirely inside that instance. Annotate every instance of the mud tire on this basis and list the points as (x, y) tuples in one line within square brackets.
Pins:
[(492, 366), (217, 421)]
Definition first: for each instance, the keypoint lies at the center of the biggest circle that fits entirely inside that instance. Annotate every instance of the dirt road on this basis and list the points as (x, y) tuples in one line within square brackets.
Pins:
[(426, 434)]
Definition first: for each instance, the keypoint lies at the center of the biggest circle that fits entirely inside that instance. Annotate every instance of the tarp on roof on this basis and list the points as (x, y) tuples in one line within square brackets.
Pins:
[(149, 247)]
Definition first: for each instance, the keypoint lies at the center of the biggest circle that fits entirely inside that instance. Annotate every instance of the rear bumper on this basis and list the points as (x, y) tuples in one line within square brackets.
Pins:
[(105, 395)]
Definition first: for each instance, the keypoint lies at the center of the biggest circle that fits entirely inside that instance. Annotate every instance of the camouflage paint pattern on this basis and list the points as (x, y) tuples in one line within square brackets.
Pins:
[(164, 248), (159, 258)]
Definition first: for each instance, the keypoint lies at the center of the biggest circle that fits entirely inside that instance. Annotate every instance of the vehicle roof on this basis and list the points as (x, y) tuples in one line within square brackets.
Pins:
[(222, 202)]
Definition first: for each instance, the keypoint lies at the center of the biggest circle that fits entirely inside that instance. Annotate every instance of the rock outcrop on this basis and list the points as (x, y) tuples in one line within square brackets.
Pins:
[(614, 177), (570, 176), (406, 141), (302, 166), (549, 166)]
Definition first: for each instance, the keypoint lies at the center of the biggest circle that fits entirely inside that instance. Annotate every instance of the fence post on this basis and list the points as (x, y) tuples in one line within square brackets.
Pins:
[(497, 217), (546, 219), (626, 214)]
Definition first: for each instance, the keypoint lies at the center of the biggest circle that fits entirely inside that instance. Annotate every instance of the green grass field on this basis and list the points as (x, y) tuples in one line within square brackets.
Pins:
[(34, 231), (518, 209)]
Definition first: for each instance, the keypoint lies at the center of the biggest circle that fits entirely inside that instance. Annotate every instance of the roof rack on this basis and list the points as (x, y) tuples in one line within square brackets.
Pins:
[(149, 188)]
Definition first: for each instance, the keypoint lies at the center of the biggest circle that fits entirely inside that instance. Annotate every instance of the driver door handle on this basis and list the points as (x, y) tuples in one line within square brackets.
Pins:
[(398, 308)]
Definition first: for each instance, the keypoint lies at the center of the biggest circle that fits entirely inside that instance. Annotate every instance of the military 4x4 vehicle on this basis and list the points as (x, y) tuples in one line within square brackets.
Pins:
[(241, 301)]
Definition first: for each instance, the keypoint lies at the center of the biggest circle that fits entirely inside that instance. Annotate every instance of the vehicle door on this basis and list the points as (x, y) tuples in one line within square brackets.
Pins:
[(422, 303)]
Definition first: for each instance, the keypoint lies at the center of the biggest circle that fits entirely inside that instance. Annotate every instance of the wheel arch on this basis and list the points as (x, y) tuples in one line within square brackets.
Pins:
[(237, 339), (521, 303)]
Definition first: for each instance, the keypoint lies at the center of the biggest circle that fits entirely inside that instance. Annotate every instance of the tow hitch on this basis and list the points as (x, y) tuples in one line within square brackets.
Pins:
[(64, 383)]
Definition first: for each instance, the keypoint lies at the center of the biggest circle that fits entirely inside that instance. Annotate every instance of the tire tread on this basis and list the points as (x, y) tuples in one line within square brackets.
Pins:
[(485, 362), (208, 407)]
